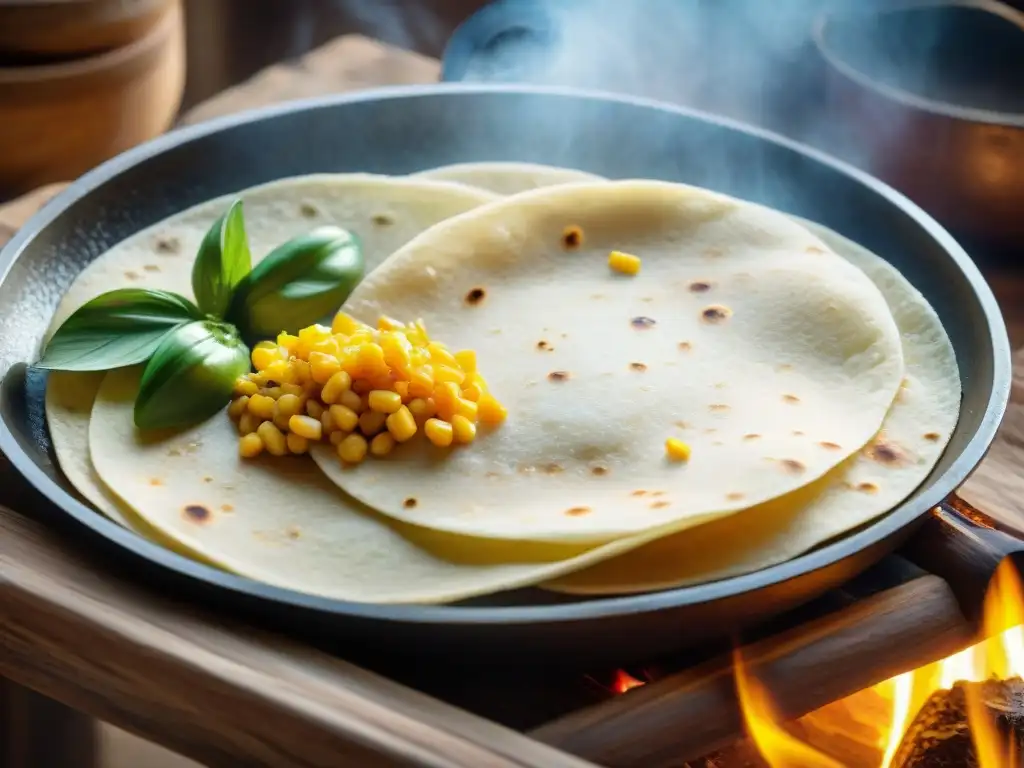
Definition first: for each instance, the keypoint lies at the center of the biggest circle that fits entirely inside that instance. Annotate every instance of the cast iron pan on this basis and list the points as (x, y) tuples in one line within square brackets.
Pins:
[(398, 131)]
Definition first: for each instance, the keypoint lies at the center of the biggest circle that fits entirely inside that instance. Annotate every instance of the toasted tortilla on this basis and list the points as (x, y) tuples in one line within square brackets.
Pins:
[(384, 212), (877, 479), (743, 335), (507, 178)]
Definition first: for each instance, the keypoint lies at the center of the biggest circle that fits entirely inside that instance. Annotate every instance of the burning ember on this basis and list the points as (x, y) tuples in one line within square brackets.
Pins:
[(965, 711)]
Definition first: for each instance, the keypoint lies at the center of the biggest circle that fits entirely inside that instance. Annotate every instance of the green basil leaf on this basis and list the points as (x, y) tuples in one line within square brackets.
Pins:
[(190, 375), (299, 283), (116, 329), (223, 260)]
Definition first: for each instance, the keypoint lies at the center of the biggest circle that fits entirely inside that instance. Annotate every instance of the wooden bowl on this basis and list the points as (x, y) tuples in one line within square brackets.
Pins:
[(63, 28), (59, 120)]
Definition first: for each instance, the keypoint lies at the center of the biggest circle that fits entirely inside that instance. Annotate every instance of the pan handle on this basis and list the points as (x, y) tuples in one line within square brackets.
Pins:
[(963, 546)]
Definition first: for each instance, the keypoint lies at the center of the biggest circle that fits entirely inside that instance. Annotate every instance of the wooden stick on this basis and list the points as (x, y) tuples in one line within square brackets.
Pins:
[(694, 712), (218, 693)]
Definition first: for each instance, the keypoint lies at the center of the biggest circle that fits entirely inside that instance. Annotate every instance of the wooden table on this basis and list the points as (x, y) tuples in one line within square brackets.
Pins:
[(77, 632)]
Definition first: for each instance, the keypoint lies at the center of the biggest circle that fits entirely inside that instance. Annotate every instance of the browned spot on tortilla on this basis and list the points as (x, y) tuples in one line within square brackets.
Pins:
[(720, 385), (155, 481), (867, 487), (638, 493), (714, 252), (409, 503), (577, 511), (196, 513), (207, 479), (131, 275), (647, 299), (475, 295), (830, 446), (552, 469), (700, 286), (783, 367), (226, 508), (572, 237), (792, 466), (734, 496), (656, 494), (797, 433), (718, 407), (382, 220), (638, 367), (597, 296), (642, 323), (660, 504), (293, 532), (151, 268), (565, 335), (599, 471), (791, 399), (933, 437), (681, 424), (543, 345), (716, 313), (308, 210), (558, 376), (751, 436), (167, 245), (814, 249), (888, 453), (718, 442), (710, 431)]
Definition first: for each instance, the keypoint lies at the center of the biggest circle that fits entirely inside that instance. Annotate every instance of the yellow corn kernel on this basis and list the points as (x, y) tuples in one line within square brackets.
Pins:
[(296, 443), (372, 422), (306, 426), (421, 381), (396, 350), (417, 333), (677, 450), (466, 358), (281, 422), (352, 449), (238, 407), (626, 263), (464, 429), (293, 389), (371, 360), (438, 432), (401, 424), (272, 392), (489, 410), (478, 380), (346, 324), (364, 336), (472, 392), (265, 354), (466, 408), (382, 444), (279, 371), (288, 406), (261, 406), (287, 342), (439, 355), (257, 378), (244, 386), (421, 408), (327, 346), (336, 387), (273, 439), (327, 423), (250, 446), (337, 436), (446, 397), (314, 333), (402, 388), (385, 323), (362, 386), (443, 373), (248, 423), (383, 401), (314, 409), (344, 418), (300, 371), (322, 366), (351, 400)]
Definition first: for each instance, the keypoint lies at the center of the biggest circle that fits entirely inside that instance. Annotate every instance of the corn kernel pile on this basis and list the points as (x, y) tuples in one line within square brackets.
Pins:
[(363, 389)]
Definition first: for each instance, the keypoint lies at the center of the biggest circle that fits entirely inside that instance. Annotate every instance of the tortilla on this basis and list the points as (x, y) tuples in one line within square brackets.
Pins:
[(507, 178), (916, 431), (743, 335), (384, 212)]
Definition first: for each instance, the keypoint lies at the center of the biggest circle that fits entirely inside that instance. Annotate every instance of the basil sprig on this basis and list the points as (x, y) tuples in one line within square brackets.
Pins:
[(194, 351)]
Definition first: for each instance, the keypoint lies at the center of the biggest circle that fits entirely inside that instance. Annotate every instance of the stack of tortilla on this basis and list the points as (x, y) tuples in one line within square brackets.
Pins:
[(815, 387)]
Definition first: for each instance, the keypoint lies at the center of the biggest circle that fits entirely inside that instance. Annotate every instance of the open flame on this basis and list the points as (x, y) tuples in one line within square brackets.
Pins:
[(624, 681), (999, 656)]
